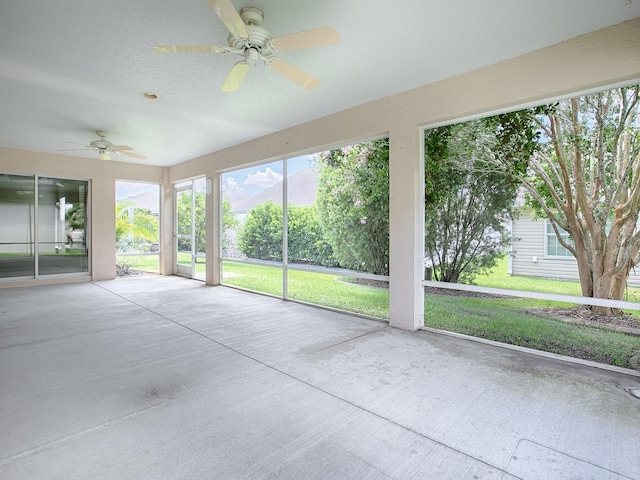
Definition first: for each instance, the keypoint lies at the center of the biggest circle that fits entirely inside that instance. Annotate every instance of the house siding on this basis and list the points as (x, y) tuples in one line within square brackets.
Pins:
[(529, 258)]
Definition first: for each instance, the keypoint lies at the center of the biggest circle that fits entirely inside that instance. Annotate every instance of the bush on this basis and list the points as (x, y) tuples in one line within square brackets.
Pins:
[(261, 236)]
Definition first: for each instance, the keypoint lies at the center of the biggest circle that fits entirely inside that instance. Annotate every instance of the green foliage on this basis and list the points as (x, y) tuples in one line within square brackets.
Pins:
[(261, 235), (75, 217), (468, 200), (306, 243), (583, 178), (353, 205), (230, 223), (135, 225), (184, 217)]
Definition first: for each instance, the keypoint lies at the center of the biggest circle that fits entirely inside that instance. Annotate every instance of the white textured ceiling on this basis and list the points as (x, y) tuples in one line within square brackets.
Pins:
[(70, 67)]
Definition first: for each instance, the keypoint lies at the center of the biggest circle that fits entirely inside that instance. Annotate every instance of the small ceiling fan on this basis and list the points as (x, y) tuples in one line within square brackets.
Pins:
[(105, 148), (254, 44)]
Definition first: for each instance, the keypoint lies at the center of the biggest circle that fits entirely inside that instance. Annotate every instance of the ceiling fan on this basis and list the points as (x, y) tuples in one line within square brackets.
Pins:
[(105, 148), (254, 44)]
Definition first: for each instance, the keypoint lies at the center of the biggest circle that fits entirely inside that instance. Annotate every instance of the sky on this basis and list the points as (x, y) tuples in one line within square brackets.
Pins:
[(125, 190), (256, 179)]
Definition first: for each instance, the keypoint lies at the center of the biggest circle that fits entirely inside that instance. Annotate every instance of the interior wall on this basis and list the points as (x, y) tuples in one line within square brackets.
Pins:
[(102, 176)]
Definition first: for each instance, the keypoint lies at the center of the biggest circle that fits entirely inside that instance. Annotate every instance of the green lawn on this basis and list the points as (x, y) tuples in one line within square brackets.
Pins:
[(499, 278), (311, 287)]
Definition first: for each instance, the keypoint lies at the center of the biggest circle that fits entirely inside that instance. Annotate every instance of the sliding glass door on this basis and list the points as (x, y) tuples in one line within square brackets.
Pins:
[(44, 224)]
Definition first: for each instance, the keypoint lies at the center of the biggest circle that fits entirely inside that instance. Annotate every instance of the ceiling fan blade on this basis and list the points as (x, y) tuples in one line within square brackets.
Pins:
[(117, 148), (318, 37), (235, 77), (132, 155), (230, 17), (75, 149), (89, 147), (294, 73), (190, 49)]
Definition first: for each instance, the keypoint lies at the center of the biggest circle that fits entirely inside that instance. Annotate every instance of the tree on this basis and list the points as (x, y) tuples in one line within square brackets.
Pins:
[(74, 216), (184, 208), (353, 205), (585, 179), (230, 224), (468, 201), (261, 234), (135, 224), (305, 239)]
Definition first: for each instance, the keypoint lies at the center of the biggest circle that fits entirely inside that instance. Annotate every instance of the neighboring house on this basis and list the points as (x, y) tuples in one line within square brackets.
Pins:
[(536, 252)]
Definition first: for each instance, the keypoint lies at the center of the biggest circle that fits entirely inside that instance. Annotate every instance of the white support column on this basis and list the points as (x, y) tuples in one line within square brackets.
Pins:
[(214, 229), (167, 227), (103, 234), (406, 227)]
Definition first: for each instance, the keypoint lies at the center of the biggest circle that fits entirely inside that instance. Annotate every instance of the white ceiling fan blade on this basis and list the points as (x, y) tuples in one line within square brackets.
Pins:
[(235, 77), (318, 37), (190, 49), (293, 73), (117, 148), (230, 17), (75, 149), (131, 154), (89, 147)]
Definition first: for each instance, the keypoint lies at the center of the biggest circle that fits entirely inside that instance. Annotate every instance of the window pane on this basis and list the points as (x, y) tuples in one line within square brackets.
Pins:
[(200, 212), (352, 207), (367, 297), (17, 235), (252, 213), (258, 278), (137, 228), (185, 219), (306, 242), (62, 220)]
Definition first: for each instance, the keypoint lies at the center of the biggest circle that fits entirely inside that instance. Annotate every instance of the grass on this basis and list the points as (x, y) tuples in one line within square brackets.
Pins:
[(317, 288), (499, 278), (505, 320), (146, 263)]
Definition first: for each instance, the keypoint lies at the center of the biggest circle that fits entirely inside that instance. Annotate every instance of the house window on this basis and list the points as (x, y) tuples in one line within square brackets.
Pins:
[(552, 245)]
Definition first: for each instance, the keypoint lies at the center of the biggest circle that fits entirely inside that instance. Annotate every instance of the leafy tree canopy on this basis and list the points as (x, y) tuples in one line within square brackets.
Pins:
[(353, 205)]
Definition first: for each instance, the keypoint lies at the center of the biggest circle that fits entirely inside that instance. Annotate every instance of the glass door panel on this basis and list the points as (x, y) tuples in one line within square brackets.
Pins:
[(184, 231), (199, 228), (190, 234), (61, 226), (17, 217)]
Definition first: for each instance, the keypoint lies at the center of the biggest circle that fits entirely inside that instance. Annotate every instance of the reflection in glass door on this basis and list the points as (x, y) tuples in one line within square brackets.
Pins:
[(190, 229)]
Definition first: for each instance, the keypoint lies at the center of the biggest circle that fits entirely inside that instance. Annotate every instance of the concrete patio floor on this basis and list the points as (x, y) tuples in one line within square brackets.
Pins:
[(166, 378)]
